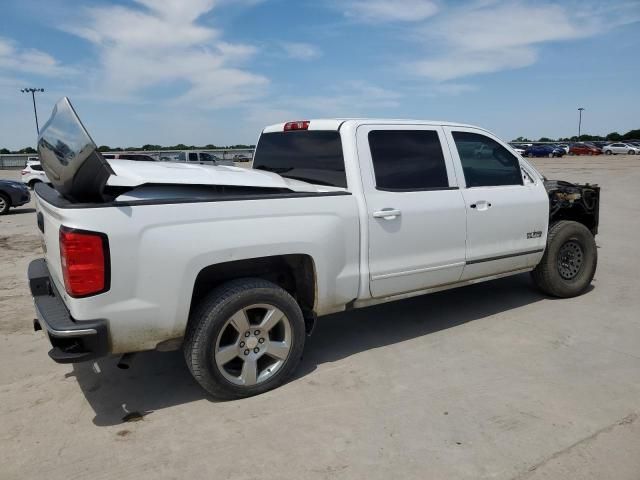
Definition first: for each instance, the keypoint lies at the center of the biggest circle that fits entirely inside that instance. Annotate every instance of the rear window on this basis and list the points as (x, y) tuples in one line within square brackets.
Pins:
[(311, 156)]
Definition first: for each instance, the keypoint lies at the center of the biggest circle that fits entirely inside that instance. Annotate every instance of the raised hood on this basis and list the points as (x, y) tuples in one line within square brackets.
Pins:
[(70, 157), (80, 173)]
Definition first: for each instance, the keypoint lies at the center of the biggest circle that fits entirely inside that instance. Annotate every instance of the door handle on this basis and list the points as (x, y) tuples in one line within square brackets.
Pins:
[(481, 205), (387, 213)]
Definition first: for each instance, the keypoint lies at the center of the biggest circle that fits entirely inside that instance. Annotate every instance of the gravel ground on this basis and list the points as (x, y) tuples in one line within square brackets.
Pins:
[(490, 381)]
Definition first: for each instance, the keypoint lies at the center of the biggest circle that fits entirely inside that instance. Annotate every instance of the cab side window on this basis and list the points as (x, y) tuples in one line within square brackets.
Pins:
[(408, 160), (193, 157), (485, 162)]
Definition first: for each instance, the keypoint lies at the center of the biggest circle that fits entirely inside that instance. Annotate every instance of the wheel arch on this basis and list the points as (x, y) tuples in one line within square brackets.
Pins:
[(295, 273)]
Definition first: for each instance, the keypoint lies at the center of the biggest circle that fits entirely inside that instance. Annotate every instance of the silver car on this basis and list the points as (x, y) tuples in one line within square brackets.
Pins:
[(615, 148)]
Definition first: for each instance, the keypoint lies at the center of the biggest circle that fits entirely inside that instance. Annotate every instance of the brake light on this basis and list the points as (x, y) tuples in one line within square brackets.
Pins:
[(300, 125), (85, 262)]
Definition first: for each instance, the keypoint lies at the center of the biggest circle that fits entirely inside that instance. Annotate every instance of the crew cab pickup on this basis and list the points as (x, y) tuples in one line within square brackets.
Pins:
[(234, 265)]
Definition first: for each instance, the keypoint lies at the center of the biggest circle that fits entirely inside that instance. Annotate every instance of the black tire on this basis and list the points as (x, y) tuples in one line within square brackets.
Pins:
[(530, 155), (6, 204), (547, 275), (209, 318), (33, 183), (631, 152), (608, 152)]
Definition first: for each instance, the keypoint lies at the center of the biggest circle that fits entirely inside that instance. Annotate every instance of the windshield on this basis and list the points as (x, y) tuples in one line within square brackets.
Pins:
[(311, 156)]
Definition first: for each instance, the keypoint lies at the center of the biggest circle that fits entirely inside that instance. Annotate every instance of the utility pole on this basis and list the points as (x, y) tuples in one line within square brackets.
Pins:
[(33, 91), (580, 110)]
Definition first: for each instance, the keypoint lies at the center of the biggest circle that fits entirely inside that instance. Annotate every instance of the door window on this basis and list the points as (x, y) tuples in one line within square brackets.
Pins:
[(193, 157), (408, 160), (485, 162)]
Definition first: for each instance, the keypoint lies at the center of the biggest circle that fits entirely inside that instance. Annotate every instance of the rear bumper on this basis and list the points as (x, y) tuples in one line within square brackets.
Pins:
[(72, 341)]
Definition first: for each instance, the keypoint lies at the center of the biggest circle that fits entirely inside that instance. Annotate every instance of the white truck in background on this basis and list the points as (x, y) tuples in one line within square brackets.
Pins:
[(235, 265)]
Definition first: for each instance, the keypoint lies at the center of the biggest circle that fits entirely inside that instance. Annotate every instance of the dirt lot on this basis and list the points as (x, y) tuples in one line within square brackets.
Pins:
[(490, 381)]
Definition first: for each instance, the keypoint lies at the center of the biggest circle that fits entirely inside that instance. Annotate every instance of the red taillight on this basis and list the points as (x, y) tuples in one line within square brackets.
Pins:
[(85, 262), (302, 125)]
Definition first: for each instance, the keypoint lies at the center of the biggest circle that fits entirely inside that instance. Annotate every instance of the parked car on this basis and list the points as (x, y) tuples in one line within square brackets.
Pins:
[(12, 194), (517, 148), (544, 151), (584, 149), (624, 148), (138, 157), (33, 174), (31, 160), (564, 146), (196, 157), (241, 158), (330, 218)]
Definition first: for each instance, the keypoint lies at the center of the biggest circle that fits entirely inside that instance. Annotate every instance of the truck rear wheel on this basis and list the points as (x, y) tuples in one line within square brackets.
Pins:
[(569, 263), (245, 338)]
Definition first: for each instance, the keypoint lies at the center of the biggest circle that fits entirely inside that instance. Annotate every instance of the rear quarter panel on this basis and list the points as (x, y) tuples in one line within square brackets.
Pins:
[(157, 252)]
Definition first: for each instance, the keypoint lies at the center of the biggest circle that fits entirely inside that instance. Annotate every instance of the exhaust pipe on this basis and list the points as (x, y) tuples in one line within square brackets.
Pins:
[(125, 361)]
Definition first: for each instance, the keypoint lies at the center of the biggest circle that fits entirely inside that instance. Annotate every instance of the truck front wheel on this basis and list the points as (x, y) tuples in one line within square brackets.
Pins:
[(569, 263), (245, 338)]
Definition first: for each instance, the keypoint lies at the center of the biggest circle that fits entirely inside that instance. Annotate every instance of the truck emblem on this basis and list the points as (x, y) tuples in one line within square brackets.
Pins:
[(531, 235)]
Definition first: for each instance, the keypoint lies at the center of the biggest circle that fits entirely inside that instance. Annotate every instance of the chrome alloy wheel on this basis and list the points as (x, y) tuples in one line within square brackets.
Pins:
[(570, 259), (3, 203), (253, 345)]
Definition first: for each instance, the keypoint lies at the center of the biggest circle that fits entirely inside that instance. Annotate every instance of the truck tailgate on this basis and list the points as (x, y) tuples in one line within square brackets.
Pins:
[(49, 221)]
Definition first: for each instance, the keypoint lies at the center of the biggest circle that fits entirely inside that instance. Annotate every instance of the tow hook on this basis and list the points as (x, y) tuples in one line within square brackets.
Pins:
[(125, 361)]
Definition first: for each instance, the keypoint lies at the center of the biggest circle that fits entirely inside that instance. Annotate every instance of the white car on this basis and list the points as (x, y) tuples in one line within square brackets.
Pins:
[(33, 174), (624, 148), (234, 265)]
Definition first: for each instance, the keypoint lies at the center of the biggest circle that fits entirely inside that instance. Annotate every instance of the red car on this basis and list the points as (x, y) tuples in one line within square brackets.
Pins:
[(584, 149)]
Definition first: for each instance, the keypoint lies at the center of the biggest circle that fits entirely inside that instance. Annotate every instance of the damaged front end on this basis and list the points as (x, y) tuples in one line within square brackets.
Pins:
[(569, 201)]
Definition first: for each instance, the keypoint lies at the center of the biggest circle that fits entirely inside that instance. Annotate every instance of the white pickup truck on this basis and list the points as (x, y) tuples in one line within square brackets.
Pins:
[(234, 265)]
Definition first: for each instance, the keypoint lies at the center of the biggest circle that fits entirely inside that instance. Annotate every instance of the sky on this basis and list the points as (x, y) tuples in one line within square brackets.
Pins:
[(217, 71)]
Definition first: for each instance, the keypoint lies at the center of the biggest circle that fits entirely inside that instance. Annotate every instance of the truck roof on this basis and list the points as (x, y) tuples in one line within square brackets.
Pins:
[(336, 123)]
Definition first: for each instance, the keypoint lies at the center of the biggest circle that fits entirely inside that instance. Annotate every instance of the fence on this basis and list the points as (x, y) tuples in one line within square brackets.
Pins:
[(14, 161), (17, 161)]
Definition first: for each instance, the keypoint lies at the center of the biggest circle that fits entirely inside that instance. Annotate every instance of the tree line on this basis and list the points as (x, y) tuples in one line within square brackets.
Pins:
[(613, 137), (144, 148)]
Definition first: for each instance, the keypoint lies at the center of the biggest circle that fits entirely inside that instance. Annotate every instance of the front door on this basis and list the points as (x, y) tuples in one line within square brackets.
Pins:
[(416, 213), (506, 217)]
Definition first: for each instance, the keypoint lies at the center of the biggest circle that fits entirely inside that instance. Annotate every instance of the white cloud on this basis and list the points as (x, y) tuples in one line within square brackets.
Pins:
[(346, 99), (160, 44), (27, 60), (452, 89), (495, 36), (380, 11), (301, 51)]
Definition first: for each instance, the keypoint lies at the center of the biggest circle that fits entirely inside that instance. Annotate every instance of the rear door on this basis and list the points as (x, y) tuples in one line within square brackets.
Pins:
[(416, 214), (507, 218)]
